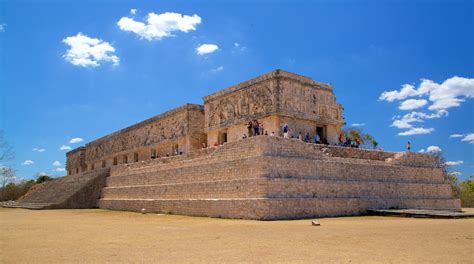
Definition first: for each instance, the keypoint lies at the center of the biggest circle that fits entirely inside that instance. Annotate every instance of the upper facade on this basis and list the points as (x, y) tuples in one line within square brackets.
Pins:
[(274, 99)]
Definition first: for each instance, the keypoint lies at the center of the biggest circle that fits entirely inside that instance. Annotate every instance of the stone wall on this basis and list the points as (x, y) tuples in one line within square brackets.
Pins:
[(171, 133), (274, 98), (275, 178)]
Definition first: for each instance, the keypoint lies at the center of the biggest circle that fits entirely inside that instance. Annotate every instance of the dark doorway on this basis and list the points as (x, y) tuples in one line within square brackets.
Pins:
[(320, 131), (222, 137)]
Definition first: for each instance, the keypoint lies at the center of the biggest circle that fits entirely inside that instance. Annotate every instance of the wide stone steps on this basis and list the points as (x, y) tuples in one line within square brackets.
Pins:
[(279, 168), (278, 188), (272, 208), (33, 206), (73, 191)]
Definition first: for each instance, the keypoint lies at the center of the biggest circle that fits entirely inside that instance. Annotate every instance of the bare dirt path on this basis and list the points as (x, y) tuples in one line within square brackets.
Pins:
[(99, 236)]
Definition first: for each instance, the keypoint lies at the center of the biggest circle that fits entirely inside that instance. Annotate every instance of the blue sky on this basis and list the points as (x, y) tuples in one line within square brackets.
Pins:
[(57, 84)]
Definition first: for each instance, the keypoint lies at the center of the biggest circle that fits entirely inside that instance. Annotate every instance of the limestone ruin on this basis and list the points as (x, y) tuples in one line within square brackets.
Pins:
[(193, 160)]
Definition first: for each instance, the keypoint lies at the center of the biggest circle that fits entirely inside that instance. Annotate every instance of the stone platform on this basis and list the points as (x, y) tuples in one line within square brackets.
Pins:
[(269, 178), (419, 213)]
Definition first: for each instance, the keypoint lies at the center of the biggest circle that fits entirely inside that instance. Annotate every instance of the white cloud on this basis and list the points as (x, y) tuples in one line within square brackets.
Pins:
[(451, 93), (206, 49), (64, 147), (133, 11), (43, 174), (455, 173), (88, 52), (406, 120), (236, 44), (218, 69), (159, 26), (57, 164), (39, 150), (2, 27), (28, 162), (454, 163), (60, 169), (433, 149), (416, 131), (469, 138), (407, 90), (76, 140), (358, 124), (411, 104), (456, 136)]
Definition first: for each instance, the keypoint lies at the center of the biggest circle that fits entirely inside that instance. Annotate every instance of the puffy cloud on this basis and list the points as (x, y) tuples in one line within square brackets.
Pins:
[(28, 162), (39, 150), (218, 69), (455, 173), (451, 93), (76, 140), (469, 138), (416, 131), (206, 49), (407, 90), (412, 117), (433, 149), (60, 169), (236, 44), (358, 124), (64, 147), (43, 174), (88, 52), (456, 136), (411, 104), (133, 11), (57, 164), (2, 27), (454, 163), (159, 26)]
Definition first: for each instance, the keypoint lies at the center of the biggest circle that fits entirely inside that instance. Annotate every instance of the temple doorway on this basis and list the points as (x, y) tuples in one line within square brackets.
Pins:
[(222, 137)]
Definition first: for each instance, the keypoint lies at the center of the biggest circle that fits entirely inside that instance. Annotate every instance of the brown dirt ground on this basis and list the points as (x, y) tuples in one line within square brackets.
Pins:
[(98, 236)]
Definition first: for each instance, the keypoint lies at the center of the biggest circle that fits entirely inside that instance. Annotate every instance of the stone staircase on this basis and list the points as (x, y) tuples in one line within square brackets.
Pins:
[(73, 191), (274, 178), (32, 206)]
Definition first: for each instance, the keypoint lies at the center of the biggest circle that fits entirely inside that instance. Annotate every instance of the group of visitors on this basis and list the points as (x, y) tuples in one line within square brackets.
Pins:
[(347, 142), (254, 128)]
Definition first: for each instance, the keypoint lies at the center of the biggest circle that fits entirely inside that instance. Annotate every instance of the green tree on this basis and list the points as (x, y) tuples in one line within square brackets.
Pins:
[(467, 192), (366, 140)]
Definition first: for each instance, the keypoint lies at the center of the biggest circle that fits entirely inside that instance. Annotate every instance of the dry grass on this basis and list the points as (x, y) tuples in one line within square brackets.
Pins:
[(98, 236)]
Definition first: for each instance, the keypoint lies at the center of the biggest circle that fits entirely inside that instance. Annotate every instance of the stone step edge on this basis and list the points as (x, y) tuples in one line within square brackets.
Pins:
[(278, 198), (271, 179)]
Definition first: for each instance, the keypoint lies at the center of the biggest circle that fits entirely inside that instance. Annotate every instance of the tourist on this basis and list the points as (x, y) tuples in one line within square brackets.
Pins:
[(408, 146), (307, 138), (300, 136), (341, 140), (286, 129), (260, 129), (249, 128), (272, 134), (256, 128), (317, 139), (266, 133), (357, 143)]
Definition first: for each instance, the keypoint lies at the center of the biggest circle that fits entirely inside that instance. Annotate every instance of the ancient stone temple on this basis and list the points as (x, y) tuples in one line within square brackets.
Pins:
[(201, 160)]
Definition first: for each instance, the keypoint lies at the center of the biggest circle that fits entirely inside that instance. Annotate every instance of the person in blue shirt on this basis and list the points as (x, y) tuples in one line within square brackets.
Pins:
[(317, 139)]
